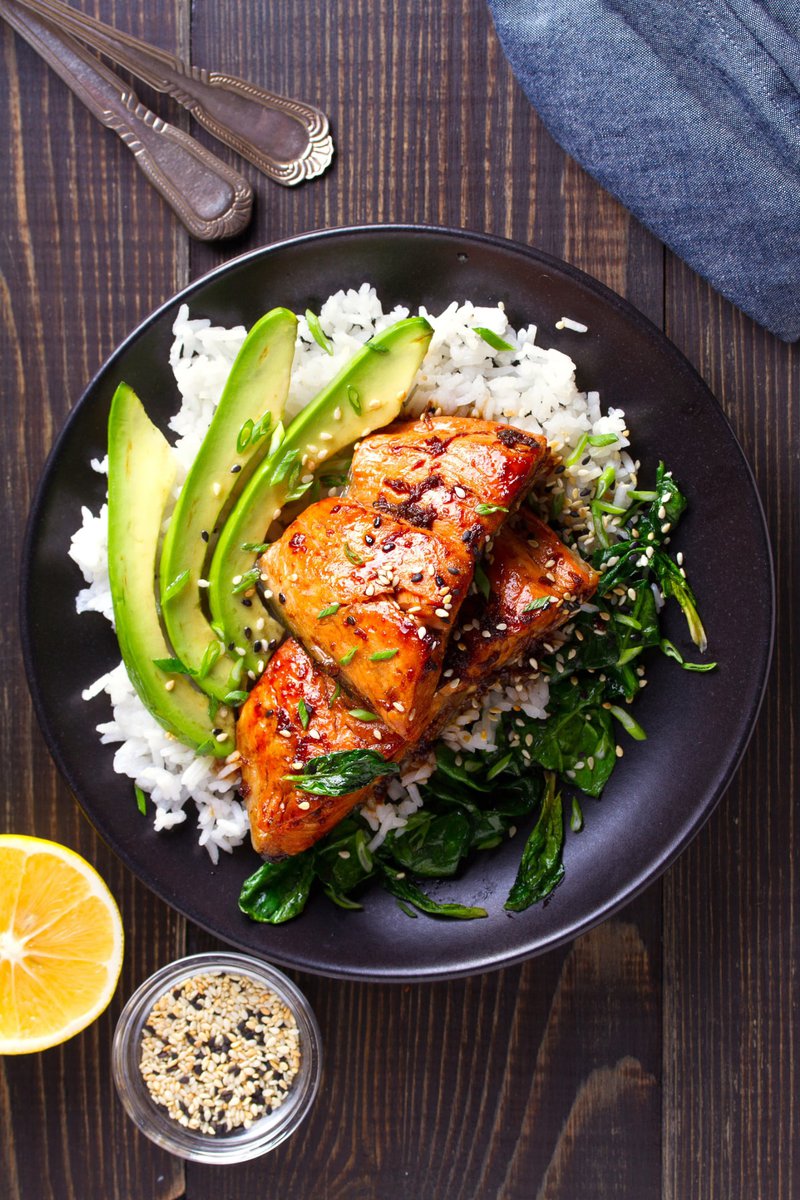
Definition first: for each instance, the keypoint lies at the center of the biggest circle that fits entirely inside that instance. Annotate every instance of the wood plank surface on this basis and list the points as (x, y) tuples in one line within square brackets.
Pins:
[(654, 1059)]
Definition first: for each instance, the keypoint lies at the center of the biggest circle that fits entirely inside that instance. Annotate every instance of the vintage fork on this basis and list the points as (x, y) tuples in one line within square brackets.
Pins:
[(287, 139), (211, 199)]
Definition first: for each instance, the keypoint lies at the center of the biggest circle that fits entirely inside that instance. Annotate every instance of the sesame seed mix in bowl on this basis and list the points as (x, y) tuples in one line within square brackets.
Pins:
[(219, 1051)]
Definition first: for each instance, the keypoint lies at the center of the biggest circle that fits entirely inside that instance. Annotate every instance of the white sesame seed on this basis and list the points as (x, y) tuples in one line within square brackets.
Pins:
[(169, 685), (216, 488), (421, 632)]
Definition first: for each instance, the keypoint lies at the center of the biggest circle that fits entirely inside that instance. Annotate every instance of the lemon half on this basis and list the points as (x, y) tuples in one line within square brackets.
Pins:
[(61, 944)]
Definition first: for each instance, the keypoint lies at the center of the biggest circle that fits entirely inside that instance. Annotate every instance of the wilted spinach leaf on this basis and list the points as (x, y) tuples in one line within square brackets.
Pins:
[(541, 868), (276, 892)]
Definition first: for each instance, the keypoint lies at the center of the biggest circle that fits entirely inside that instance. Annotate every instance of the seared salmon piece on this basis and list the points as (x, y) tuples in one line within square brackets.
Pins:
[(535, 583), (373, 599), (456, 476), (275, 740)]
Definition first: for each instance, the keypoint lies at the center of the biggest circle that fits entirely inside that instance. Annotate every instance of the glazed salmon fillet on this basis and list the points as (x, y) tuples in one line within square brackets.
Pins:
[(535, 583), (275, 740), (456, 476), (373, 599)]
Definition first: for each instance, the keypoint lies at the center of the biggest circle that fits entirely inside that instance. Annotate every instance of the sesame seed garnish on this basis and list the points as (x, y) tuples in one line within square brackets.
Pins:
[(169, 685), (216, 488), (422, 632), (304, 804), (459, 491)]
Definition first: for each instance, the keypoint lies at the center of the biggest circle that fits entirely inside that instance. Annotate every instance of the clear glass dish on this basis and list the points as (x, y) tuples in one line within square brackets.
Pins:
[(267, 1131)]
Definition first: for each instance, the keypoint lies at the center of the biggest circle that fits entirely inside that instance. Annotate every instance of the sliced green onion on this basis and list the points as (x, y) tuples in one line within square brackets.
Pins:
[(645, 496), (497, 768), (235, 699), (362, 853), (383, 655), (485, 510), (249, 579), (605, 481), (316, 331), (599, 528), (602, 439), (576, 816), (352, 557), (278, 435), (629, 655), (141, 800), (624, 619), (672, 651), (337, 691), (362, 714), (346, 659), (302, 712), (176, 587), (262, 428), (577, 452), (210, 655), (535, 605), (354, 399), (173, 666), (245, 434), (329, 611), (492, 339), (255, 547), (284, 467), (613, 509), (628, 724)]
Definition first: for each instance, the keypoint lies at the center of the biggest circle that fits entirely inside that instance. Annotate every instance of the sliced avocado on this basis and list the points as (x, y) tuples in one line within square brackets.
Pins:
[(141, 474), (237, 439), (368, 393)]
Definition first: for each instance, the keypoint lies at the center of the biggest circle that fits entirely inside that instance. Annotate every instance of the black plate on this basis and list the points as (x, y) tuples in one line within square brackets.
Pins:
[(663, 789)]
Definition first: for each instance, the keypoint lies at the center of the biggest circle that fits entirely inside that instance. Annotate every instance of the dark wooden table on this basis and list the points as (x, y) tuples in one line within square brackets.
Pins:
[(657, 1057)]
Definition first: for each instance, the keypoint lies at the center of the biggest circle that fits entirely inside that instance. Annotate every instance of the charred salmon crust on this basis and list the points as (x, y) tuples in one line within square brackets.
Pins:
[(373, 603), (276, 737), (459, 477)]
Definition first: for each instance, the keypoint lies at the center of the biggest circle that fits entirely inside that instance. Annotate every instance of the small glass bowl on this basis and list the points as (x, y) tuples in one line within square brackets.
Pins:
[(266, 1132)]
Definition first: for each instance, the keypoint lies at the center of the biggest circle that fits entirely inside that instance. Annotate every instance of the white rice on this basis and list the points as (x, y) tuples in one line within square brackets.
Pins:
[(461, 375)]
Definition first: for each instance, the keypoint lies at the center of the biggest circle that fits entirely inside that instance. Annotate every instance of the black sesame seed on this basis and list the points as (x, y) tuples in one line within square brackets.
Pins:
[(247, 603), (369, 539), (257, 645), (415, 578), (376, 524), (273, 643), (236, 468), (388, 546), (454, 570), (281, 597), (204, 534), (439, 580), (349, 620)]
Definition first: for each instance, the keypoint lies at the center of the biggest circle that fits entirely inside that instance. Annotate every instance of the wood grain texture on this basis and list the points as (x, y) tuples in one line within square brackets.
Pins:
[(731, 938), (657, 1056)]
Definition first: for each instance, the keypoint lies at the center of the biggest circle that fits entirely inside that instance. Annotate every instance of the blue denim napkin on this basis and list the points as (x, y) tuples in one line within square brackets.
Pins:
[(689, 112)]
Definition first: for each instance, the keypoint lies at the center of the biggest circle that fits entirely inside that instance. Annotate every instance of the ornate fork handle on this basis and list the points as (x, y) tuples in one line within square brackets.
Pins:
[(287, 139), (211, 199)]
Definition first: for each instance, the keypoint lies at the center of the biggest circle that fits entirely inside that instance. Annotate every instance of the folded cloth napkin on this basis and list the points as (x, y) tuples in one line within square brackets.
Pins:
[(689, 112)]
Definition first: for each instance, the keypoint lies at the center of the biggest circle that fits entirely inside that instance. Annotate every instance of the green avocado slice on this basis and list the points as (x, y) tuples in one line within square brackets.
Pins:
[(141, 474), (368, 393), (237, 439)]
